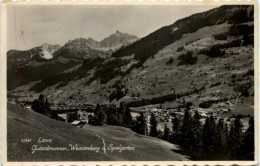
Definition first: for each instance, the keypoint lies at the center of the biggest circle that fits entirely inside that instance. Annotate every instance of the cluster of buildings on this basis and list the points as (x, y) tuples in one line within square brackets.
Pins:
[(83, 117)]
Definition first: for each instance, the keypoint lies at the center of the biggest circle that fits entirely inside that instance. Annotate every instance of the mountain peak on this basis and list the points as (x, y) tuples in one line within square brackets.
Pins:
[(45, 45), (118, 32), (117, 39), (91, 39)]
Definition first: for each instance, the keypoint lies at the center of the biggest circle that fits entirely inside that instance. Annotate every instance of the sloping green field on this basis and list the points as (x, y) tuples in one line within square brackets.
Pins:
[(26, 124)]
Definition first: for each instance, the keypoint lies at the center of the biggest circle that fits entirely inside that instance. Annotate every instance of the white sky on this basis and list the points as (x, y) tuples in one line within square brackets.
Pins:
[(37, 24)]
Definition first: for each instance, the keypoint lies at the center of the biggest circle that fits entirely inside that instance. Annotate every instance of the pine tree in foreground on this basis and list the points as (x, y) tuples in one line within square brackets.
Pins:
[(235, 139), (209, 134), (248, 144), (153, 127), (196, 130), (175, 137), (140, 124), (186, 130)]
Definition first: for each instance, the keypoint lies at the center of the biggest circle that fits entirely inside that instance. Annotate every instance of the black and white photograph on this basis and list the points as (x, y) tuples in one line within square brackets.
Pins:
[(130, 83)]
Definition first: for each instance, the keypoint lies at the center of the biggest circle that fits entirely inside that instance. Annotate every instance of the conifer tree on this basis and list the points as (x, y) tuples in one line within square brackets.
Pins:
[(99, 115), (197, 120), (248, 141), (153, 127), (175, 137), (124, 115), (128, 117), (186, 130), (196, 130), (120, 113), (209, 134), (175, 124), (206, 134), (221, 143), (141, 124), (213, 134), (235, 138), (220, 133), (226, 130)]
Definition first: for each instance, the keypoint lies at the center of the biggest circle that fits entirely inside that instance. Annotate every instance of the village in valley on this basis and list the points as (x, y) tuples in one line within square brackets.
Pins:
[(164, 116)]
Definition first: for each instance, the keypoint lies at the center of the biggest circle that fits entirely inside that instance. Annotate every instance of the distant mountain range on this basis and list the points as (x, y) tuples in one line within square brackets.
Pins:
[(78, 49)]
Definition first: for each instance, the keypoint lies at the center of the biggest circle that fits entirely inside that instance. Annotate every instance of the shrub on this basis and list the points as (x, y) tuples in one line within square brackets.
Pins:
[(119, 93), (181, 48), (243, 89), (215, 84), (187, 58), (215, 51), (222, 36), (206, 104), (170, 61), (188, 105), (235, 43), (204, 51), (250, 72)]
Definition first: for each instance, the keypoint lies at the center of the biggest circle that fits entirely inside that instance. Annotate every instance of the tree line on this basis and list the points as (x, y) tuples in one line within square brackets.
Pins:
[(112, 115), (213, 140), (42, 106), (163, 98)]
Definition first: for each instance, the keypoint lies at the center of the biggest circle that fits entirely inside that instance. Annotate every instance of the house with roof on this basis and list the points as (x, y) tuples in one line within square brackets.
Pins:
[(78, 123)]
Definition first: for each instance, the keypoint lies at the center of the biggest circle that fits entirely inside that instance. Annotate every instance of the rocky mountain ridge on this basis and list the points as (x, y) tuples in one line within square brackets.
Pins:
[(45, 51), (113, 42), (75, 49)]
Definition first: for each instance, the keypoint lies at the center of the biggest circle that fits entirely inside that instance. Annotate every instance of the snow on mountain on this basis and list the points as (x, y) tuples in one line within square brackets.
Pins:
[(48, 50)]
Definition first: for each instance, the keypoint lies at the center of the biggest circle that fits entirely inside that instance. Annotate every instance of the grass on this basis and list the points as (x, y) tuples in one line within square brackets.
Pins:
[(32, 125)]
